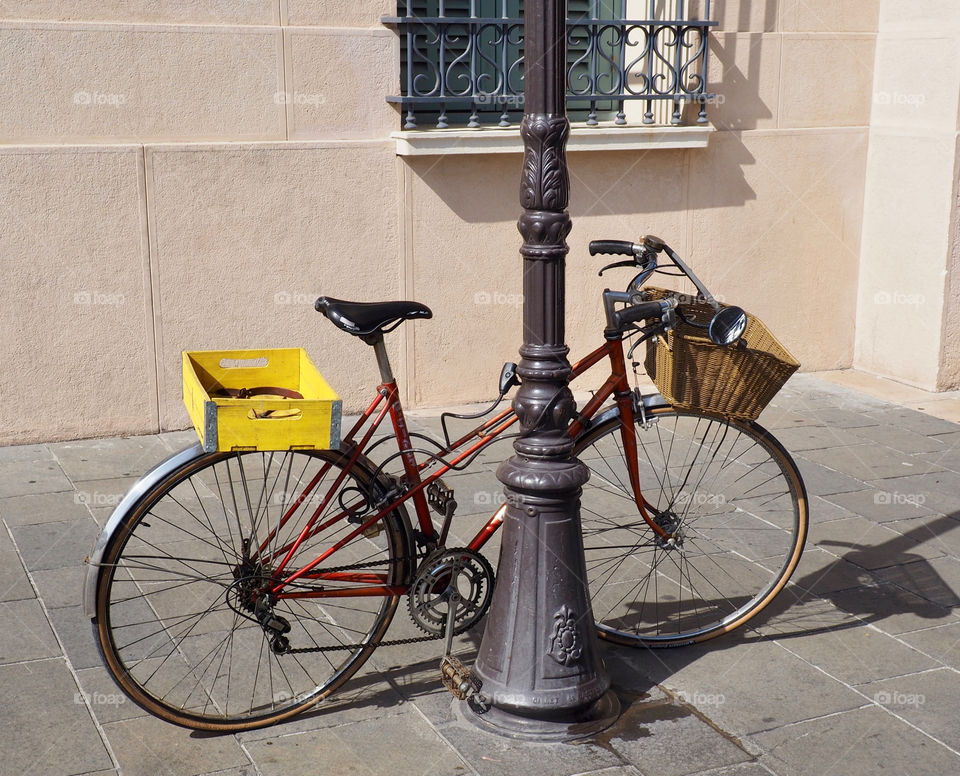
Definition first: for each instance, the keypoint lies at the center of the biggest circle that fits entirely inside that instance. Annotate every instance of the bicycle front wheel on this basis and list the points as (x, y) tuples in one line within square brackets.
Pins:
[(186, 620), (730, 495)]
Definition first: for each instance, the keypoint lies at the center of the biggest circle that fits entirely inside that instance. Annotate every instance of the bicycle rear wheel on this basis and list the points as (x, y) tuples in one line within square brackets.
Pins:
[(730, 493), (185, 621)]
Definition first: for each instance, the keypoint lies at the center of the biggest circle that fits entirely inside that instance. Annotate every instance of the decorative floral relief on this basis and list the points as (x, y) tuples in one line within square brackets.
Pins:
[(565, 645)]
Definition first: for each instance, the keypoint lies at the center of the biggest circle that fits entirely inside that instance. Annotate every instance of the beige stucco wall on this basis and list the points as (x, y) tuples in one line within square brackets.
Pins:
[(192, 175), (909, 302)]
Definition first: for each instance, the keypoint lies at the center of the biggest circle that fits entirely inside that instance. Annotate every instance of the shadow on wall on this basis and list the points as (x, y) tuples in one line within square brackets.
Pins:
[(739, 104), (485, 189)]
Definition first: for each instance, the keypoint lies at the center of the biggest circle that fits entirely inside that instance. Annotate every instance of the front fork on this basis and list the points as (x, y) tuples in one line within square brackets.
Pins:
[(625, 400)]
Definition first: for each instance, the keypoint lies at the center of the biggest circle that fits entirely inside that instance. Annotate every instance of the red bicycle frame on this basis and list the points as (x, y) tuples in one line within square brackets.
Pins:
[(387, 402)]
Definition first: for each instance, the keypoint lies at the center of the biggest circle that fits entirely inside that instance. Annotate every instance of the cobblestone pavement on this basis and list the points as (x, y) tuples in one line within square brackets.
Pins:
[(852, 670)]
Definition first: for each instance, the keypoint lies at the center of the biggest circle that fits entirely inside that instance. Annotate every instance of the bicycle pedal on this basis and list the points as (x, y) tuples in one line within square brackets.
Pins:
[(456, 677), (440, 498)]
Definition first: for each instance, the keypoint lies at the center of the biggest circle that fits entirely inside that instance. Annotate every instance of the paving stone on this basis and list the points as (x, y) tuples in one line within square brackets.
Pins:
[(821, 481), (494, 755), (881, 505), (903, 439), (823, 511), (105, 698), (175, 441), (841, 417), (99, 459), (76, 634), (763, 686), (776, 417), (792, 615), (940, 533), (400, 743), (25, 453), (61, 587), (863, 742), (918, 422), (368, 695), (814, 438), (14, 584), (107, 493), (937, 580), (927, 700), (871, 546), (43, 508), (55, 545), (824, 572), (870, 462), (19, 478), (891, 609), (950, 440), (25, 634), (43, 729), (244, 770), (670, 740), (857, 655), (617, 770), (149, 746), (745, 769)]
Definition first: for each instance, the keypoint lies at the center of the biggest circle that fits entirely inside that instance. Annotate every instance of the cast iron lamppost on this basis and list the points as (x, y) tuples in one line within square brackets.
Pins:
[(539, 666)]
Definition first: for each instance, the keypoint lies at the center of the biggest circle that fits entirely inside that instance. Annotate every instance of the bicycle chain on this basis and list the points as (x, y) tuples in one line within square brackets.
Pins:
[(342, 647)]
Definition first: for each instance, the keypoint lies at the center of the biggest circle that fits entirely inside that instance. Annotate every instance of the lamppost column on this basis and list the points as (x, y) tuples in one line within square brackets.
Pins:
[(538, 663)]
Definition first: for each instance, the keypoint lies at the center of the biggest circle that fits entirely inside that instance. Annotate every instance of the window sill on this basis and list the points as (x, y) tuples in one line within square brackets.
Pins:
[(494, 140)]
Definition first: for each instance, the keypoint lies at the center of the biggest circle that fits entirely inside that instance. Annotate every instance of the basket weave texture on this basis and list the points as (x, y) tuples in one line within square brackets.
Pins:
[(735, 381)]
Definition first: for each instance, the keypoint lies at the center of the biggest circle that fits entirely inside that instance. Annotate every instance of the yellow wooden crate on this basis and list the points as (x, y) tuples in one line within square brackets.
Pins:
[(224, 423)]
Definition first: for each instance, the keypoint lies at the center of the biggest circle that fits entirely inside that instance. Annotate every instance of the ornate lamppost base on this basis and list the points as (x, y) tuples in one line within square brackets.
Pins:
[(590, 721)]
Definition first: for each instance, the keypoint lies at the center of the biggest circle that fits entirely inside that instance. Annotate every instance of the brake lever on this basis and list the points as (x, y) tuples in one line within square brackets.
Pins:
[(631, 263)]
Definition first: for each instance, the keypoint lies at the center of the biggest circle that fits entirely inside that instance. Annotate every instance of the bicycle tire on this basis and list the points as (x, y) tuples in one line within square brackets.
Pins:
[(743, 522), (176, 616)]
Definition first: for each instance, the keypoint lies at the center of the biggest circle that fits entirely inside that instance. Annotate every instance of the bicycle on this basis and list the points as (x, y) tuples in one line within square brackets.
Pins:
[(234, 590)]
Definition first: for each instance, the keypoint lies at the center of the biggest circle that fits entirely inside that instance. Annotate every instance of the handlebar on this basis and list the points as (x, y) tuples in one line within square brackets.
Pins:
[(643, 255)]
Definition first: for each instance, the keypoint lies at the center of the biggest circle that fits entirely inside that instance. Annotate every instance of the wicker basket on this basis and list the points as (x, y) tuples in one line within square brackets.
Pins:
[(692, 372)]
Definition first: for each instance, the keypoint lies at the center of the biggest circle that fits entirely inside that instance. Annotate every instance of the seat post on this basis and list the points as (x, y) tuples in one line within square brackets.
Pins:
[(386, 373)]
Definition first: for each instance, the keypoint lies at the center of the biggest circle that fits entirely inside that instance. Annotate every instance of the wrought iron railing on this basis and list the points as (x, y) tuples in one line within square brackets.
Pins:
[(459, 66)]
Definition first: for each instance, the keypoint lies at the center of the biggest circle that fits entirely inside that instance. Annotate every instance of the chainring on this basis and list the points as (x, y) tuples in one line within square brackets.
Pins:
[(429, 596)]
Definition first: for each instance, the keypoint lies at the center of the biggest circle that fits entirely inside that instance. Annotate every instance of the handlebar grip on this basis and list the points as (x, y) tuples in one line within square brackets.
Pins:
[(618, 247), (640, 312)]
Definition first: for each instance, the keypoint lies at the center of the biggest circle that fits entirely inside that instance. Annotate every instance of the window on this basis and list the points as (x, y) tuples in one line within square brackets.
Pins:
[(462, 61)]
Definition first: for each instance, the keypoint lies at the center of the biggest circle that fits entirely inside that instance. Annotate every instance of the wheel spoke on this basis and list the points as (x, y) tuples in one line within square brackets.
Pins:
[(185, 618), (730, 500)]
